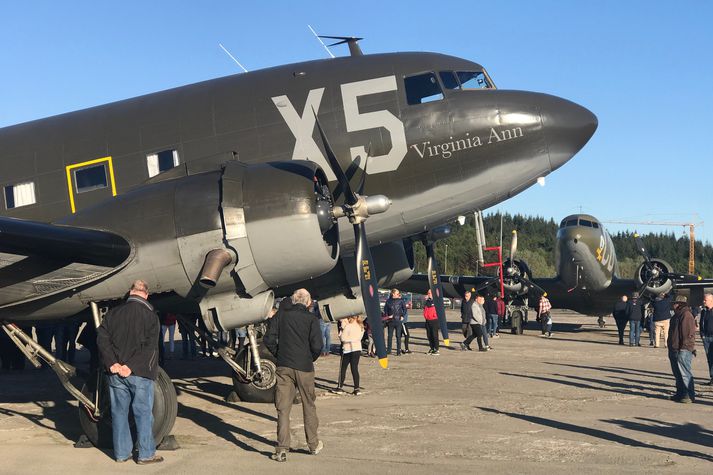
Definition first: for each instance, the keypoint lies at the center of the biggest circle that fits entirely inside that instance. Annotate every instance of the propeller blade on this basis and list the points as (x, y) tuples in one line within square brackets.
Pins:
[(434, 283), (530, 283), (641, 248), (487, 284), (349, 197), (646, 284), (513, 245), (369, 291), (362, 180)]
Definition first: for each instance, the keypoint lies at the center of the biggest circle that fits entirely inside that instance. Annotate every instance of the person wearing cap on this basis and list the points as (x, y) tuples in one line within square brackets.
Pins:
[(636, 314), (681, 348), (706, 319)]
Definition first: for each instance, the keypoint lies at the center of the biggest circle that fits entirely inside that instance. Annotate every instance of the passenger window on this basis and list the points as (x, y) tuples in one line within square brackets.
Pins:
[(90, 178), (473, 80), (161, 161), (422, 88), (448, 78), (21, 194)]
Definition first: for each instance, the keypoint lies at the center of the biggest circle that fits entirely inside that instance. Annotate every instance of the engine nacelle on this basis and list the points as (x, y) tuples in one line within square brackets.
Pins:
[(655, 275), (513, 269)]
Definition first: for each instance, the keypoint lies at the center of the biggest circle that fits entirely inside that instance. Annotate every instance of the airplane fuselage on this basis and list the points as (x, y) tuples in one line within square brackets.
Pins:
[(436, 148)]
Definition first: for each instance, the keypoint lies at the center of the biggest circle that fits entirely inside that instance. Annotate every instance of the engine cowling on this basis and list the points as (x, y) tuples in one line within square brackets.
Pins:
[(511, 271), (659, 282)]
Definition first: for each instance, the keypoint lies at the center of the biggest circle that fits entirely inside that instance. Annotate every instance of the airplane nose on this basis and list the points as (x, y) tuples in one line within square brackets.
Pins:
[(568, 127)]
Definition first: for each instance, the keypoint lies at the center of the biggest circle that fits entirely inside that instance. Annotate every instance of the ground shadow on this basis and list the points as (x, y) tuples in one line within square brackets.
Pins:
[(688, 432), (598, 433), (206, 387)]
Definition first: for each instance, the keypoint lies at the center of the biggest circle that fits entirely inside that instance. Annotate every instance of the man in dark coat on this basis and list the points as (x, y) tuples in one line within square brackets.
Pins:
[(621, 316), (127, 341), (707, 331), (295, 338), (681, 348), (395, 309)]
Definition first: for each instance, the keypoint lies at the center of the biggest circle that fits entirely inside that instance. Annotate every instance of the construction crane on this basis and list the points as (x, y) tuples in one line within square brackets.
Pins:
[(691, 234)]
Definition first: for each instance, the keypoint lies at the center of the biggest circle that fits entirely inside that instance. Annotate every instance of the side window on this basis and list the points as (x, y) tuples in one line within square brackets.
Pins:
[(449, 80), (473, 79), (422, 88), (90, 178), (21, 194), (161, 161)]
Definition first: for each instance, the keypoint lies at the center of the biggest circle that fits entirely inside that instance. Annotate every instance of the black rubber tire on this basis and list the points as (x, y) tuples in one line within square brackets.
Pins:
[(247, 391), (165, 409)]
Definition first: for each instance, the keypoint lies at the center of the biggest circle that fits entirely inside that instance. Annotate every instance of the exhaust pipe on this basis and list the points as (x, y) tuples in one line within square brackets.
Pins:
[(215, 261)]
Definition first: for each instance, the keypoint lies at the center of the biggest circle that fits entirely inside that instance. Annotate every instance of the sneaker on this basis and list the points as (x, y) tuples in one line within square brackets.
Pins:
[(154, 459), (123, 460), (338, 390), (317, 449), (651, 343), (482, 349), (429, 352), (279, 456), (435, 353), (685, 400), (357, 392), (496, 335), (462, 347)]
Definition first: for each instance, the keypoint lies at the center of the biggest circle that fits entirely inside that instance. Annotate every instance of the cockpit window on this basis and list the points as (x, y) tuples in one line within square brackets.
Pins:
[(586, 223), (572, 222), (596, 225), (473, 80), (448, 78), (422, 88)]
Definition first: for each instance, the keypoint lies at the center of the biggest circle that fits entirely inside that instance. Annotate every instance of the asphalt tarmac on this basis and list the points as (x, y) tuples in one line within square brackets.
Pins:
[(574, 402)]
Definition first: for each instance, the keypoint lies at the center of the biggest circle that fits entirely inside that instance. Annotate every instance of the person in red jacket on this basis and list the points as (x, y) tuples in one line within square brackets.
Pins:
[(429, 313)]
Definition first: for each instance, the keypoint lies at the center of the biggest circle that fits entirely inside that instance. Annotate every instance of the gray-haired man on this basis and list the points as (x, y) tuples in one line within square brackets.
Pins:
[(300, 344)]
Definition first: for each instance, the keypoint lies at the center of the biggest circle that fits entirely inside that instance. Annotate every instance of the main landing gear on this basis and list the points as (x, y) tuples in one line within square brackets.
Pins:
[(254, 367), (93, 398)]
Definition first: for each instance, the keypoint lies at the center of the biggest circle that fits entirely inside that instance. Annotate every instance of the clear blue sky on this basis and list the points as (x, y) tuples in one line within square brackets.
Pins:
[(644, 67)]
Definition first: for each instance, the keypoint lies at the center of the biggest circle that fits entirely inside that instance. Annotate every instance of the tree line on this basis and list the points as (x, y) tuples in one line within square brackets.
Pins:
[(536, 245)]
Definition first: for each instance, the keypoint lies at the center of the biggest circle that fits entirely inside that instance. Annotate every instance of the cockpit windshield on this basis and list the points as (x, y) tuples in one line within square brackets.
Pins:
[(473, 80)]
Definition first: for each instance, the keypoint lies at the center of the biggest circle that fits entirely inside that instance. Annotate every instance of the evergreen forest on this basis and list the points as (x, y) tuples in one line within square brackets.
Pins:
[(536, 245)]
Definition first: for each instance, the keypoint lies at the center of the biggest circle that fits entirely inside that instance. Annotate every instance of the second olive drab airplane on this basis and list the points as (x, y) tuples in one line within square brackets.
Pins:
[(226, 194), (587, 280)]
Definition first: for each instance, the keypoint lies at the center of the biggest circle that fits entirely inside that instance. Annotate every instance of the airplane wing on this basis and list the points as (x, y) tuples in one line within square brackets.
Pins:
[(40, 259), (453, 285)]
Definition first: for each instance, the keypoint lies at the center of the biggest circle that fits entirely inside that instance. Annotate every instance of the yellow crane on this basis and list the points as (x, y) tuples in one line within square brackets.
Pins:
[(691, 234)]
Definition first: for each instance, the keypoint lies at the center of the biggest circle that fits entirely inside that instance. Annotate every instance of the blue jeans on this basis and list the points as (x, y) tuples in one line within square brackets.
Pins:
[(326, 336), (681, 368), (136, 393), (708, 345), (634, 332), (492, 324)]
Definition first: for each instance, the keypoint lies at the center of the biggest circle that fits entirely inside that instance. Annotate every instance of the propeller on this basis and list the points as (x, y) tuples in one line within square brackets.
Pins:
[(513, 272), (357, 209), (434, 283), (655, 272)]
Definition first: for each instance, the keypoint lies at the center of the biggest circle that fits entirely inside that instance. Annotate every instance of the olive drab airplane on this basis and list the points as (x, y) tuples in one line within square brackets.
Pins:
[(587, 278), (227, 194)]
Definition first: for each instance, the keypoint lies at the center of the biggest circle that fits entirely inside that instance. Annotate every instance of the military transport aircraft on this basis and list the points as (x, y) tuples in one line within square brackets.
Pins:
[(587, 278), (226, 194)]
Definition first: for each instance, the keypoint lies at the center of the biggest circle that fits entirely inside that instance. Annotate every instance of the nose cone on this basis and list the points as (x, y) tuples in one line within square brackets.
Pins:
[(568, 127)]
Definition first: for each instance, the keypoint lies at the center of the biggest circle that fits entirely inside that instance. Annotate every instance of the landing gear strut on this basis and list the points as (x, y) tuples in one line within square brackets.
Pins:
[(254, 367)]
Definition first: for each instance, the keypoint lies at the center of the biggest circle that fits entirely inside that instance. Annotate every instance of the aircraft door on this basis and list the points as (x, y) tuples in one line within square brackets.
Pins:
[(90, 182)]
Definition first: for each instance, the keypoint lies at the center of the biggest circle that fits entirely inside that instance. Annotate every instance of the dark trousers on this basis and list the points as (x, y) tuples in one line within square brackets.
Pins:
[(290, 380), (394, 326), (406, 334), (432, 333), (621, 327), (708, 345), (352, 360), (476, 332)]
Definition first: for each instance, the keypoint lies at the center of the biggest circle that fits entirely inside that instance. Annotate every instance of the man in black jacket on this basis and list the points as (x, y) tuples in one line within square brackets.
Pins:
[(127, 341), (294, 337), (707, 332), (636, 315), (621, 316)]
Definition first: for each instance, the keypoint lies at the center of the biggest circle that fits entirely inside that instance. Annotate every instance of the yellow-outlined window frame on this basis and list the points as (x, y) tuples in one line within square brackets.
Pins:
[(69, 169)]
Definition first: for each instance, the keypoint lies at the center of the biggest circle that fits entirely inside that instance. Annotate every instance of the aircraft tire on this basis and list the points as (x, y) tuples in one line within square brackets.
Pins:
[(257, 392), (165, 409)]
